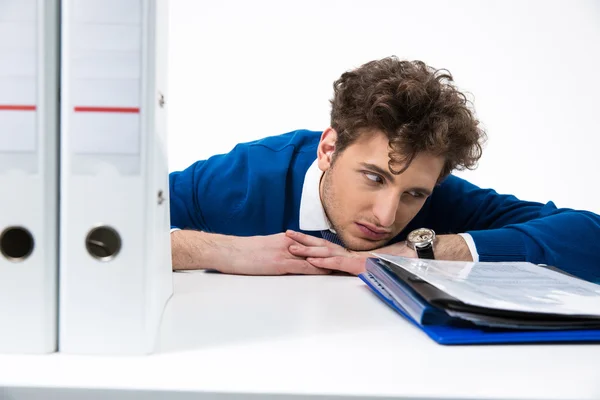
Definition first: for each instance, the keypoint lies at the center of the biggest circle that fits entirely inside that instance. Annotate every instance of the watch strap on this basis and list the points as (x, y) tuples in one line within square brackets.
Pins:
[(425, 252)]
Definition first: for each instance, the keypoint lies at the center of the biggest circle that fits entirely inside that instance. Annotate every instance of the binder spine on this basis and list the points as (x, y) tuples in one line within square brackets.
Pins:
[(29, 70), (109, 261), (154, 122)]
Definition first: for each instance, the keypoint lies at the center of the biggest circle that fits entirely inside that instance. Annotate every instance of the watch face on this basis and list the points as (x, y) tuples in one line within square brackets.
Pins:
[(422, 236)]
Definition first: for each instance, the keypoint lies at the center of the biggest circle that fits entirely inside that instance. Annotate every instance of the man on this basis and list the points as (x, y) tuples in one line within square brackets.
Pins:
[(312, 202)]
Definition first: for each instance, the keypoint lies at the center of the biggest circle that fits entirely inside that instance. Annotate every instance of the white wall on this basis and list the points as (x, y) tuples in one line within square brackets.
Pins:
[(241, 70)]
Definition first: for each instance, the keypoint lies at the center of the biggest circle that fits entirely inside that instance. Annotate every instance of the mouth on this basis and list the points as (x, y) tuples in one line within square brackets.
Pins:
[(371, 232)]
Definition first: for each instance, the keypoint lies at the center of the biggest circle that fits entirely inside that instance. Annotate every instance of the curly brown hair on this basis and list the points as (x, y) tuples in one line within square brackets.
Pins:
[(417, 107)]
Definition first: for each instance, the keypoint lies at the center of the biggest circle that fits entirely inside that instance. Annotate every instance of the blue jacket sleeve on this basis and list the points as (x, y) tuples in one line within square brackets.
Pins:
[(505, 228), (206, 195)]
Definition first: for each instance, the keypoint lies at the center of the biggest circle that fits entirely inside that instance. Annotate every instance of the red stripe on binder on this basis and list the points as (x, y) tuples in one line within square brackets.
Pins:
[(16, 107), (127, 110)]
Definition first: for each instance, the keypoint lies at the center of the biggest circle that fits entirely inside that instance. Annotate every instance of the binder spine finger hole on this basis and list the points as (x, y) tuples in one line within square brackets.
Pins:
[(103, 243), (16, 243)]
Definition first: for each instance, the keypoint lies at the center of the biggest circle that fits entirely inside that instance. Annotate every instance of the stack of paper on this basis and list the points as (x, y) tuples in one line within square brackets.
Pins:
[(486, 302)]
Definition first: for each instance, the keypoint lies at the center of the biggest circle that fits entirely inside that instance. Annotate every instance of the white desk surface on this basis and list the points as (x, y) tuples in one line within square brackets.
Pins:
[(231, 336)]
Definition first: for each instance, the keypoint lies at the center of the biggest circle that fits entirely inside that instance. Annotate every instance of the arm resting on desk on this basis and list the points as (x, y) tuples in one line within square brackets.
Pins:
[(447, 247), (505, 228), (253, 255), (566, 239), (197, 250), (324, 254)]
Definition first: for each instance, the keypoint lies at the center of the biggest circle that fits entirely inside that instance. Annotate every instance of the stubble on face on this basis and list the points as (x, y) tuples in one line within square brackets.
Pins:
[(334, 211), (366, 207)]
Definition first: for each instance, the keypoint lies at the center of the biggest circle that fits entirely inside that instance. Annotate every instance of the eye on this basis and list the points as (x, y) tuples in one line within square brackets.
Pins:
[(416, 195), (373, 177)]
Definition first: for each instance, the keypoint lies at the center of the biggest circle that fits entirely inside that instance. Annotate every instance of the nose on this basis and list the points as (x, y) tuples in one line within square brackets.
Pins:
[(385, 208)]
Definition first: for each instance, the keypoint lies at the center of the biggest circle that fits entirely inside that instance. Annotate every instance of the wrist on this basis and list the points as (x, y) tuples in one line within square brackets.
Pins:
[(191, 249), (445, 247), (452, 248)]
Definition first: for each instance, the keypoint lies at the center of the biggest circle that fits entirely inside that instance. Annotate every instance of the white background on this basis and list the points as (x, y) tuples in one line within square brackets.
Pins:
[(241, 70)]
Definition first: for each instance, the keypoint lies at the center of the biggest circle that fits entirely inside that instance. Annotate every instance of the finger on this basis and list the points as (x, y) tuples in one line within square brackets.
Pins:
[(351, 265), (304, 267), (299, 250), (308, 240)]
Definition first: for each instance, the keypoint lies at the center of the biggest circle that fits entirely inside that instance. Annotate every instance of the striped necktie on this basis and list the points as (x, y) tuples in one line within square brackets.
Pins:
[(332, 237)]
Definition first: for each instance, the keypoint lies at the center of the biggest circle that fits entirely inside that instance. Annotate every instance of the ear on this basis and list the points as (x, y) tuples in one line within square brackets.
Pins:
[(326, 148)]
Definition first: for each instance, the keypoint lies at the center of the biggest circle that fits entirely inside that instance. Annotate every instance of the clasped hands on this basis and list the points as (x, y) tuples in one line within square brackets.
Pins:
[(293, 252), (326, 255)]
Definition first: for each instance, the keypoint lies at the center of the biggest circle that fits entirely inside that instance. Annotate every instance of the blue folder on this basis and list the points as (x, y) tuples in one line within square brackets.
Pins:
[(443, 329)]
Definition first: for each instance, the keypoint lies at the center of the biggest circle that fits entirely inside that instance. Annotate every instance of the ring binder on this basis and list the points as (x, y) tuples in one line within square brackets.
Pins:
[(115, 258), (448, 321), (29, 110)]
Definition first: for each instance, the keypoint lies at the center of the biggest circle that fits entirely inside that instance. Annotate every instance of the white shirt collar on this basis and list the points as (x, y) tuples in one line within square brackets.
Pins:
[(312, 214)]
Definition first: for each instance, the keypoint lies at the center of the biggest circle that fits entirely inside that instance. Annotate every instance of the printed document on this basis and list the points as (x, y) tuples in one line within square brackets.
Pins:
[(514, 286)]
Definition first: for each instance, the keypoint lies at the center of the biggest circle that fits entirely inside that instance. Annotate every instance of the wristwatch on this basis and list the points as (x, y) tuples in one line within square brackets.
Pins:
[(421, 240)]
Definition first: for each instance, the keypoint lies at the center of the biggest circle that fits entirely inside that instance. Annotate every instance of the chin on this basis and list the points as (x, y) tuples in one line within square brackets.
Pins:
[(359, 244)]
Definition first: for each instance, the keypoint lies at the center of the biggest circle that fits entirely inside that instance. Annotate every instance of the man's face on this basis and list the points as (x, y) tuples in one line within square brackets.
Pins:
[(366, 204)]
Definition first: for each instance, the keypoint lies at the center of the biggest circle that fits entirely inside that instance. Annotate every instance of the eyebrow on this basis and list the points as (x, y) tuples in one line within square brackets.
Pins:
[(387, 175)]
